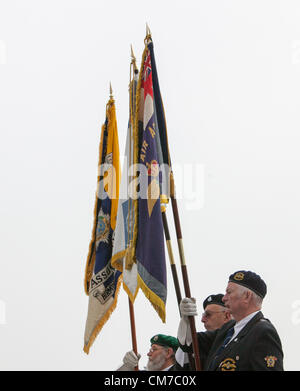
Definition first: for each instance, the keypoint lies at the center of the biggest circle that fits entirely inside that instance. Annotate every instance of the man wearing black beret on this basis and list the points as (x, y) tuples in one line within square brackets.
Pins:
[(249, 342), (215, 315), (215, 312)]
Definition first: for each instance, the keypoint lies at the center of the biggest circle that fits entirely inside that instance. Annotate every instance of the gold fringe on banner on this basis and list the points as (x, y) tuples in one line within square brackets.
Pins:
[(155, 300), (99, 313), (105, 318)]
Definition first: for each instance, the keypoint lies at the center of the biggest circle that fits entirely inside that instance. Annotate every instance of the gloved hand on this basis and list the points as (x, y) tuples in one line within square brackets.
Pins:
[(188, 308), (130, 361)]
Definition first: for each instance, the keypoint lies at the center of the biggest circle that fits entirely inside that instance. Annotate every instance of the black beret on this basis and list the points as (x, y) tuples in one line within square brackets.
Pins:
[(251, 281), (165, 340), (214, 299)]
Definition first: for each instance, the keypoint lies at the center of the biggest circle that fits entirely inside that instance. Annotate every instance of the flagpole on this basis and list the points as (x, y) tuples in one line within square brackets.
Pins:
[(173, 269), (184, 271), (171, 256), (133, 330), (131, 307)]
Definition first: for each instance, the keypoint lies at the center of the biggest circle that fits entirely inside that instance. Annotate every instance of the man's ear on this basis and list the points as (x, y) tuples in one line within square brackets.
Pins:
[(170, 352), (228, 315), (248, 296)]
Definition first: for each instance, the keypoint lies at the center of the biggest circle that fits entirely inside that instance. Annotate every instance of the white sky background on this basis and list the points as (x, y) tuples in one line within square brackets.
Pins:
[(229, 74)]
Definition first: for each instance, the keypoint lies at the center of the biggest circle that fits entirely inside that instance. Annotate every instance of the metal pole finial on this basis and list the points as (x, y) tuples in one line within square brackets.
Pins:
[(148, 32), (110, 91), (133, 59)]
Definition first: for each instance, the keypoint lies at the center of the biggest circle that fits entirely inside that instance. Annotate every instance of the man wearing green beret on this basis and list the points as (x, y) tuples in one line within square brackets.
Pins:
[(161, 356)]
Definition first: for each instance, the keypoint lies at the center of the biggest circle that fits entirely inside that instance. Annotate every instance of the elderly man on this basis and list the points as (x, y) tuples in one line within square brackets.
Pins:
[(249, 342), (215, 312), (161, 356), (214, 316)]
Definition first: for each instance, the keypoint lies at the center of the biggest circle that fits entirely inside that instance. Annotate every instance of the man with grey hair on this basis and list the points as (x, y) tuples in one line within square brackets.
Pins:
[(215, 315), (249, 342), (215, 312)]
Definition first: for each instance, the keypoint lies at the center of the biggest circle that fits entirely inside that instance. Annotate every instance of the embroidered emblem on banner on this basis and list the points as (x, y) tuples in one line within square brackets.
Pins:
[(102, 284), (103, 227), (153, 188), (108, 175), (228, 364), (270, 361)]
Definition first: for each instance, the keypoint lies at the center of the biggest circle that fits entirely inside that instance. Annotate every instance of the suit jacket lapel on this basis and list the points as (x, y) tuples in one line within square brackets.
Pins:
[(249, 325), (219, 340), (241, 334)]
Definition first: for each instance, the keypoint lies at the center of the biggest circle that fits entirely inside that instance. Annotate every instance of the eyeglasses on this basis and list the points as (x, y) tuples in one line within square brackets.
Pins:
[(152, 350), (208, 314)]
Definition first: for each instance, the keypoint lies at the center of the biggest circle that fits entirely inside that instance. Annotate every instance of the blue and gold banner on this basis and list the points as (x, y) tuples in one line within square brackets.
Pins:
[(150, 251), (102, 281)]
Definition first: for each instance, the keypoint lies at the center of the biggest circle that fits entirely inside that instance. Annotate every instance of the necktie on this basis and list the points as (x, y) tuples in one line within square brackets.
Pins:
[(228, 337)]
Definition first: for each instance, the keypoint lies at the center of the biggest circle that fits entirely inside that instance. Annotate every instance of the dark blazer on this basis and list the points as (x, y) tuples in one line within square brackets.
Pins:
[(176, 367), (257, 347)]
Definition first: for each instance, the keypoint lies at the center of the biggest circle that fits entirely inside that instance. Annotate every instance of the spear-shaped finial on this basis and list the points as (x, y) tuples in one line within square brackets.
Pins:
[(132, 54), (133, 59), (110, 91), (148, 32)]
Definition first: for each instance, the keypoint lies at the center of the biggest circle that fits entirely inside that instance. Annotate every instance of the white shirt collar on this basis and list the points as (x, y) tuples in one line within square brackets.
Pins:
[(166, 369), (242, 323)]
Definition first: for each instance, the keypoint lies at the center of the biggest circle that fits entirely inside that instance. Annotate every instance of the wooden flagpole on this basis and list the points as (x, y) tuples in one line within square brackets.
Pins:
[(131, 307), (184, 270), (170, 253), (133, 330), (174, 269)]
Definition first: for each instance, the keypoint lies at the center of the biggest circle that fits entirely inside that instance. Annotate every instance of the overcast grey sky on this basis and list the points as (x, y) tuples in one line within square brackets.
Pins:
[(229, 74)]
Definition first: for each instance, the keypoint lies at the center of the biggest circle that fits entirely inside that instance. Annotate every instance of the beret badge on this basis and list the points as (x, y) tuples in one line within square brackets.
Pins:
[(239, 276)]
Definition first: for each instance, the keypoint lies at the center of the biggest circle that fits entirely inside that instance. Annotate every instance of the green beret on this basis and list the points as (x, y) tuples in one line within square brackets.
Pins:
[(165, 340)]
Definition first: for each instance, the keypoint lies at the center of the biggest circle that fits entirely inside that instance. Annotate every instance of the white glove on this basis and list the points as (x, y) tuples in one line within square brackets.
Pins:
[(130, 361), (181, 357), (188, 308)]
